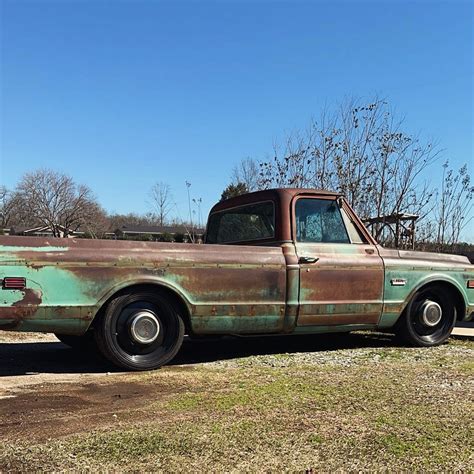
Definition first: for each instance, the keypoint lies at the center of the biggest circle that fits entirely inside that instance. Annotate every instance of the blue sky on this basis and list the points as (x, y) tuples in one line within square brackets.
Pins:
[(121, 94)]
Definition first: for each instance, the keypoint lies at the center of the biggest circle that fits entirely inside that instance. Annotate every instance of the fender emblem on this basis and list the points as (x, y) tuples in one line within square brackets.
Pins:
[(398, 282)]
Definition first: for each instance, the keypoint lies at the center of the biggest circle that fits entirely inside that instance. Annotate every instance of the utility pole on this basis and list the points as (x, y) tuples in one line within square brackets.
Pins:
[(188, 185), (191, 232)]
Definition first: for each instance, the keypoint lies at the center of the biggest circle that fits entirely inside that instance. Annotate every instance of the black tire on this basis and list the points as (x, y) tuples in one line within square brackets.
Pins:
[(84, 343), (158, 318), (413, 327)]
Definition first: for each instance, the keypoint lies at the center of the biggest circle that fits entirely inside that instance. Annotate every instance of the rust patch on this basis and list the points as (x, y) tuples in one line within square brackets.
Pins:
[(30, 298), (239, 311), (337, 319), (328, 284), (234, 285), (34, 266), (20, 310)]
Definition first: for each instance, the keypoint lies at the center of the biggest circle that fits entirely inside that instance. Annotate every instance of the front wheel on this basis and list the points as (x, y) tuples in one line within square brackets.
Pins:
[(140, 330), (429, 317)]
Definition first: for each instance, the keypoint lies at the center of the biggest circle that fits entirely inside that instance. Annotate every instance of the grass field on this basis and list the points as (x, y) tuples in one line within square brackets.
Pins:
[(367, 408)]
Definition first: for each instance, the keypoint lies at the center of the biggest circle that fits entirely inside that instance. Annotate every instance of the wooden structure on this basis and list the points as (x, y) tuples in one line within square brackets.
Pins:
[(397, 228)]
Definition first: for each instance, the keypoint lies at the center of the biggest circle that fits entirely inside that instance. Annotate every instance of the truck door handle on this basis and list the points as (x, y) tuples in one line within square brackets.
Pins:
[(308, 259)]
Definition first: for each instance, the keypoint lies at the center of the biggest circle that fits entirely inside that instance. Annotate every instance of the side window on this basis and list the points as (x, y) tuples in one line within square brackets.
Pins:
[(319, 220), (244, 223), (354, 233)]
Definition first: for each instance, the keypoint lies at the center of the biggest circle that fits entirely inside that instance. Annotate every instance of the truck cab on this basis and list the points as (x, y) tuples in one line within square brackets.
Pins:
[(327, 249)]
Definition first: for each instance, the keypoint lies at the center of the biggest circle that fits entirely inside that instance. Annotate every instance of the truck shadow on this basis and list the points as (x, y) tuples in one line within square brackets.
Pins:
[(17, 358), (215, 349)]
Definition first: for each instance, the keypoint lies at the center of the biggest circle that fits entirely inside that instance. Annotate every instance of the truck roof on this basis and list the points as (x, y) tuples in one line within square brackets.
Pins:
[(283, 195)]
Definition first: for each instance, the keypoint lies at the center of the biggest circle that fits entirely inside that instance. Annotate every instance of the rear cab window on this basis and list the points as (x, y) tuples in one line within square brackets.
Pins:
[(246, 223)]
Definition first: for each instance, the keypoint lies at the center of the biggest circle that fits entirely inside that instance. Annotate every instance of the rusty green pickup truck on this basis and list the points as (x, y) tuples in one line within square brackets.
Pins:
[(283, 261)]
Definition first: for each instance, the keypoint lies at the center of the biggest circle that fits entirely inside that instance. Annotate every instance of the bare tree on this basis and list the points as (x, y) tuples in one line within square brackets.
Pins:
[(161, 201), (95, 222), (361, 151), (9, 208), (455, 203), (55, 200), (247, 173)]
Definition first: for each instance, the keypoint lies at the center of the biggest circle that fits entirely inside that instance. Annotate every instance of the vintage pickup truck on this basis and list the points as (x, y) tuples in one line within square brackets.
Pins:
[(281, 261)]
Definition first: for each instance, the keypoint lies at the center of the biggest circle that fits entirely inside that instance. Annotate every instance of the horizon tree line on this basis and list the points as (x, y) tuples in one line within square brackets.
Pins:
[(52, 199)]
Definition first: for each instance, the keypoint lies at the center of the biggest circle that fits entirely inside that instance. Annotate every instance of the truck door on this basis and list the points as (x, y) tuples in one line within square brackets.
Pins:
[(341, 273)]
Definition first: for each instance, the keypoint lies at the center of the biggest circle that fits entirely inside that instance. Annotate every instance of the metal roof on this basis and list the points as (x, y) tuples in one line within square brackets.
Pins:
[(273, 193)]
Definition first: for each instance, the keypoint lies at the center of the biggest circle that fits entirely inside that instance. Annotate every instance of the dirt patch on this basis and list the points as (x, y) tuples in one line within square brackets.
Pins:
[(50, 411)]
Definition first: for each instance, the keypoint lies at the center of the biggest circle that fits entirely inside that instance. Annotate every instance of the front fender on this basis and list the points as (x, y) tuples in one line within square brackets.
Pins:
[(396, 298)]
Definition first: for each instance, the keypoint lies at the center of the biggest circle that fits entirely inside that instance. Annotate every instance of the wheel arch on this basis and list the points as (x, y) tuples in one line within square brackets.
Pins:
[(449, 284), (175, 295)]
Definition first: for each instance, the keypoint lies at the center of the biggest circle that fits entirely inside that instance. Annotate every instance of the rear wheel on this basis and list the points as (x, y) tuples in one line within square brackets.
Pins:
[(140, 330), (429, 317)]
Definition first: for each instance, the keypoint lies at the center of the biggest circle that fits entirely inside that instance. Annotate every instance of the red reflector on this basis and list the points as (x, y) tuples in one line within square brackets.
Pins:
[(14, 283), (470, 283)]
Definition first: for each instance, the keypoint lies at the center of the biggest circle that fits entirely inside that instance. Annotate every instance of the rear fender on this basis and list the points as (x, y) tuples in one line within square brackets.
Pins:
[(136, 282)]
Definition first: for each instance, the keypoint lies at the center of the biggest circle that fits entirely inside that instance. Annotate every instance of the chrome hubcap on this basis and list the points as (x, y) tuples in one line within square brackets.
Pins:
[(144, 327), (431, 313)]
